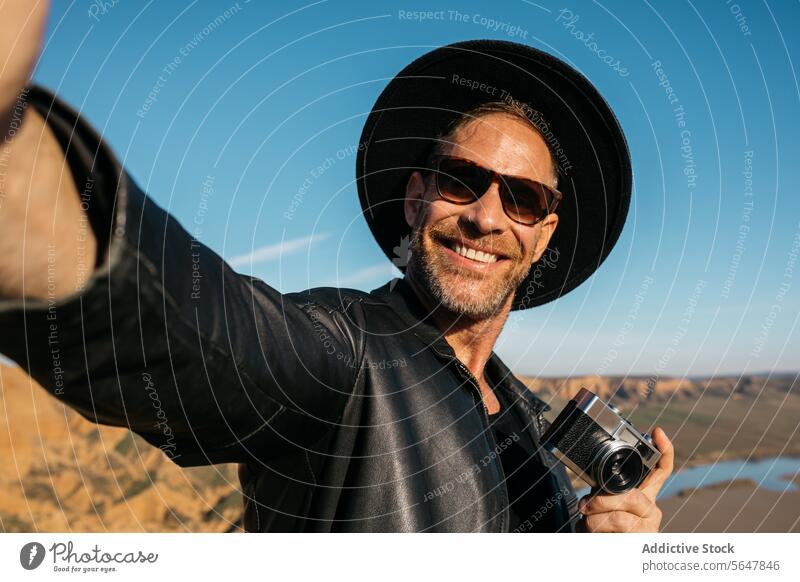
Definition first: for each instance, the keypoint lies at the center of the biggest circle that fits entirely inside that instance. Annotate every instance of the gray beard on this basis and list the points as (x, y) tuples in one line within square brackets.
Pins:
[(478, 307)]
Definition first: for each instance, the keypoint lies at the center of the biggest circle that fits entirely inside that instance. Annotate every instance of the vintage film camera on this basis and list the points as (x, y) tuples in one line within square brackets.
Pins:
[(594, 440)]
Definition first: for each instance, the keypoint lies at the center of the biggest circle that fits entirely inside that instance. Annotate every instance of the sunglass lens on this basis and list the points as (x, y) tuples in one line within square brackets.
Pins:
[(461, 182), (526, 201)]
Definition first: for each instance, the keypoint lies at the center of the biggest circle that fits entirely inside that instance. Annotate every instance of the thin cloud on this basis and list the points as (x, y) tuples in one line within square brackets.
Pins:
[(275, 251), (383, 271)]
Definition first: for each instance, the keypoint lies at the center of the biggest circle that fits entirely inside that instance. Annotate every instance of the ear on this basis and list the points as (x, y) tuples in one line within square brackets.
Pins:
[(415, 192), (546, 229)]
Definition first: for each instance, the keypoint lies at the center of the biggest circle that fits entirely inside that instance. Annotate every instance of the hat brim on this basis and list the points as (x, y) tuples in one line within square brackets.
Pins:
[(421, 102)]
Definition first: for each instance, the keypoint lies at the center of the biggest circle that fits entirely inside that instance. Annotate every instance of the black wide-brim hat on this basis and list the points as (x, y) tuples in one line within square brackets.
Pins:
[(425, 98)]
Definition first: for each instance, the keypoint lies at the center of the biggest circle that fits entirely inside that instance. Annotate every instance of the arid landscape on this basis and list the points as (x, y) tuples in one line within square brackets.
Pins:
[(708, 420), (59, 472)]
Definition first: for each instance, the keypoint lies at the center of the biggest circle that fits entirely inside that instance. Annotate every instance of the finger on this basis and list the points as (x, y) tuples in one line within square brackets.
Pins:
[(664, 445), (663, 469), (633, 501), (614, 522)]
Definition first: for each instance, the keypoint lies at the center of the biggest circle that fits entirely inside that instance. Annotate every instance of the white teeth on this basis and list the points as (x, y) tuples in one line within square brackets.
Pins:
[(479, 256)]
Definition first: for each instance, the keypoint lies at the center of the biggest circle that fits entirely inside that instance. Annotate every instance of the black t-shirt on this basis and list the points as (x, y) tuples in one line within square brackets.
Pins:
[(534, 505)]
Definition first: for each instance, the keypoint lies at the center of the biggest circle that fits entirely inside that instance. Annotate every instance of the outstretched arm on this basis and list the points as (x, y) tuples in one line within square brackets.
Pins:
[(215, 368)]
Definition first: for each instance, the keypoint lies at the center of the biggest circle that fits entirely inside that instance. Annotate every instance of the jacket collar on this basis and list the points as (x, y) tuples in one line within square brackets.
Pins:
[(503, 378), (399, 295)]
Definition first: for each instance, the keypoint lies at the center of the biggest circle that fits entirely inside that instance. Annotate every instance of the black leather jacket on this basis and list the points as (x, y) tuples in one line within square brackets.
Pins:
[(346, 410)]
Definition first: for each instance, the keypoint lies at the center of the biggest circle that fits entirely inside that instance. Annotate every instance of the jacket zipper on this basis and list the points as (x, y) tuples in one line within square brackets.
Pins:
[(490, 438)]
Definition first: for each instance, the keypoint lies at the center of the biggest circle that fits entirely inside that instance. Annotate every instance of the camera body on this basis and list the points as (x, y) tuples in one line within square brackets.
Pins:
[(603, 448)]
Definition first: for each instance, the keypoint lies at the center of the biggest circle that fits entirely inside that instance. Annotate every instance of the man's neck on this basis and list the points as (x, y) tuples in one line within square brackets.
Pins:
[(472, 340)]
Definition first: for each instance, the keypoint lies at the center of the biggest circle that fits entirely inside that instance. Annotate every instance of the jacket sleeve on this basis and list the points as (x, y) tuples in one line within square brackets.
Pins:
[(166, 339)]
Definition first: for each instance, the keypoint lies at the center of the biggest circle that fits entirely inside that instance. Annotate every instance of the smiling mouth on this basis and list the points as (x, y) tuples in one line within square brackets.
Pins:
[(479, 256), (471, 253)]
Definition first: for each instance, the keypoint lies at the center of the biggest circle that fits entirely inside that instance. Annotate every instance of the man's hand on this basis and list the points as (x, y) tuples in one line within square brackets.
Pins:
[(22, 24), (634, 510), (47, 248)]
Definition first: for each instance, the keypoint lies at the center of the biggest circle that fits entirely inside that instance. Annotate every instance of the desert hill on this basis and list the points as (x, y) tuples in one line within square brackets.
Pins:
[(60, 472), (637, 389)]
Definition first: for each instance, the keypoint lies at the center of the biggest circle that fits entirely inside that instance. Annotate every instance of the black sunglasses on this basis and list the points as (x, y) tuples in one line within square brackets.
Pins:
[(462, 181)]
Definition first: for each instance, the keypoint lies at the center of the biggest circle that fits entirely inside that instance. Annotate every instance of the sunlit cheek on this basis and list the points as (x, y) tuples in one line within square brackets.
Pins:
[(530, 239)]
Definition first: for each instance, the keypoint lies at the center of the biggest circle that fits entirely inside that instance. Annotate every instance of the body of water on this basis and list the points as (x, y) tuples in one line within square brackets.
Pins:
[(770, 474)]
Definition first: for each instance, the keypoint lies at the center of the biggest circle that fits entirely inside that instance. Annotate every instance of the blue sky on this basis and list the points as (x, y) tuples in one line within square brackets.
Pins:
[(269, 102)]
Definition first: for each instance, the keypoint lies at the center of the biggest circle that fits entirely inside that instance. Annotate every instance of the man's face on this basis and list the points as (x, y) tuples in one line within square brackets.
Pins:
[(443, 232)]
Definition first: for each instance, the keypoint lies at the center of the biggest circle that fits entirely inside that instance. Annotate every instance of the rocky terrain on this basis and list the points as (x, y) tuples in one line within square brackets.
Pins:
[(60, 472)]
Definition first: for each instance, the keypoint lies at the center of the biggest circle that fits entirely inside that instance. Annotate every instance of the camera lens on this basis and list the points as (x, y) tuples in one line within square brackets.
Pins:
[(620, 470)]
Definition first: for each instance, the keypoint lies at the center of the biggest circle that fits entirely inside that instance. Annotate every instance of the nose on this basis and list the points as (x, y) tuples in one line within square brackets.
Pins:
[(486, 214)]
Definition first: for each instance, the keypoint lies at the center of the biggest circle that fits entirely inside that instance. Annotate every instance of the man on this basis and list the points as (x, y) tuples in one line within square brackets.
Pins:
[(347, 411)]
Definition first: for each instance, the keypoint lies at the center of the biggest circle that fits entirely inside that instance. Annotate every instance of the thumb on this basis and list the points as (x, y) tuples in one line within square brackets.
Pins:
[(663, 469)]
